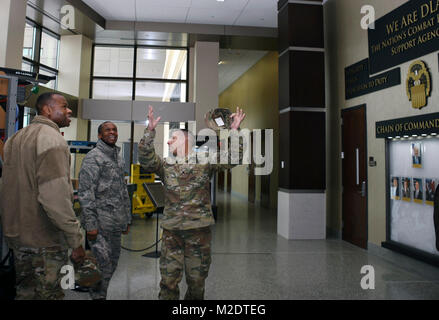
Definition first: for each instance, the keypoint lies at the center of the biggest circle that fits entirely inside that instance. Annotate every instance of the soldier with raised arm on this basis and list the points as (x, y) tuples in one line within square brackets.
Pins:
[(186, 242)]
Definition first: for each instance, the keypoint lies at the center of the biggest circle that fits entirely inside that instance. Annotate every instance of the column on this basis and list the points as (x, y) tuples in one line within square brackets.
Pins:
[(12, 23), (302, 120), (74, 79), (205, 79)]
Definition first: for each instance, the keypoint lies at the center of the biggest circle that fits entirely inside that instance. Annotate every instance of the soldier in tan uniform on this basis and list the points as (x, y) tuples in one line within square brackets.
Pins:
[(38, 220), (188, 213)]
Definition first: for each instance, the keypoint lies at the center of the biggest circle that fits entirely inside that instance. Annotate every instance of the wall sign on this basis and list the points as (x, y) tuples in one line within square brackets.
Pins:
[(418, 84), (358, 81), (406, 33), (419, 125)]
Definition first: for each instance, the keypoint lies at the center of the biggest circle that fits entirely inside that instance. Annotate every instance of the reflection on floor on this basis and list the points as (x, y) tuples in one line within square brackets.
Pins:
[(250, 261)]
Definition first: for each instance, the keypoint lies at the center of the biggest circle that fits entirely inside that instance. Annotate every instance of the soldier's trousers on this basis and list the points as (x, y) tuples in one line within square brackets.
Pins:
[(106, 249), (38, 275), (187, 250)]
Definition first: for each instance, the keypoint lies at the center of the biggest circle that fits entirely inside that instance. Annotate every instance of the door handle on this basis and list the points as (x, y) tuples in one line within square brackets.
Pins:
[(357, 165), (363, 189)]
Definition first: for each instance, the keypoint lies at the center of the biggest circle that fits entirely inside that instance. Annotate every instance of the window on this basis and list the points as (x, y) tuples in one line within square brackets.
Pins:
[(49, 50), (160, 91), (41, 51), (26, 66), (113, 62), (139, 73), (51, 84), (28, 115), (112, 89), (29, 41), (161, 63)]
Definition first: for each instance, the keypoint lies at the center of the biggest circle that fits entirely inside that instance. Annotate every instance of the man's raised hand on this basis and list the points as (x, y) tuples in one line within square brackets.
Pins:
[(152, 123), (237, 117)]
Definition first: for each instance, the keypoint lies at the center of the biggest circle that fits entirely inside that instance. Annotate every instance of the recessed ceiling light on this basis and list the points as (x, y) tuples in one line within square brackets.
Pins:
[(220, 0)]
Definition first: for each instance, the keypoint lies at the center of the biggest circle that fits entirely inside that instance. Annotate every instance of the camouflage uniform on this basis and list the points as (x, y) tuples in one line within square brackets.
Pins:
[(186, 222), (105, 207), (87, 274), (38, 273), (188, 249)]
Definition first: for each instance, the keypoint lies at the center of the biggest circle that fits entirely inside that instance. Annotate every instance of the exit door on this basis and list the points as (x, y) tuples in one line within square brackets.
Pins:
[(354, 216)]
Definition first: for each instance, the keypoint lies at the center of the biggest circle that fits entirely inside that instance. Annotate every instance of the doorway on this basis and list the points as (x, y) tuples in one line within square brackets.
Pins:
[(354, 172), (221, 177)]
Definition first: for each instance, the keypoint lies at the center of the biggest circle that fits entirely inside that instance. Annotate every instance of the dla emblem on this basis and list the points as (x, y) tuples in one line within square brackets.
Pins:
[(418, 84)]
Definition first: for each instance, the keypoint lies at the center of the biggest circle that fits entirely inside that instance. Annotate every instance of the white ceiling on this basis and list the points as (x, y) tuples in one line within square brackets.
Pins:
[(255, 13)]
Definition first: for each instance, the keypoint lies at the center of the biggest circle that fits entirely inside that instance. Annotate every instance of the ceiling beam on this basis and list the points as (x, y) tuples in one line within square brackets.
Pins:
[(205, 29), (89, 12)]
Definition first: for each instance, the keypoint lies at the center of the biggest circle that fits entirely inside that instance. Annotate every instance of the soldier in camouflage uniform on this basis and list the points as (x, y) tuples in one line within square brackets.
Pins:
[(105, 203), (187, 214)]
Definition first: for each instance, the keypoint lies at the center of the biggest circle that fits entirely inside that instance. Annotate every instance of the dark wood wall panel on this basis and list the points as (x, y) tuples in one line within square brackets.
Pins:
[(280, 3), (301, 77), (308, 151), (301, 88), (284, 150), (307, 79), (284, 81), (302, 137), (301, 25)]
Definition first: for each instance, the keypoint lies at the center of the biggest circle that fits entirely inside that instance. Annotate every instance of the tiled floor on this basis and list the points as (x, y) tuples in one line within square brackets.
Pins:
[(250, 261)]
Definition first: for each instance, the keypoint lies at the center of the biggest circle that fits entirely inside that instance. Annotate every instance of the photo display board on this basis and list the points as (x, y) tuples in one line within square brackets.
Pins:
[(413, 177)]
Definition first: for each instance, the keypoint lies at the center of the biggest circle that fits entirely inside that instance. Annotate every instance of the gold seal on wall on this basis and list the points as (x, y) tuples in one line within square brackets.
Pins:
[(418, 84)]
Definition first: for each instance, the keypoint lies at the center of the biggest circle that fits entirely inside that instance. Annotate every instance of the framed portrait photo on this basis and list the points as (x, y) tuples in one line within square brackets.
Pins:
[(395, 188), (406, 189), (418, 190), (416, 150), (430, 188)]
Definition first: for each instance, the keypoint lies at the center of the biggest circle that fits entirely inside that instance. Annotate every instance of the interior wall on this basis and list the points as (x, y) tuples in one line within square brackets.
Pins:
[(347, 43), (256, 92)]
